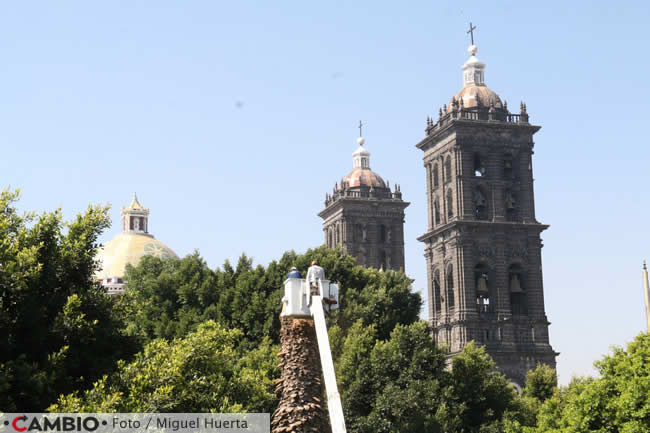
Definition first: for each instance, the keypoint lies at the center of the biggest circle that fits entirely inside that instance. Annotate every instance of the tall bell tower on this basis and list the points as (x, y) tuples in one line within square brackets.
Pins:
[(364, 217), (483, 245)]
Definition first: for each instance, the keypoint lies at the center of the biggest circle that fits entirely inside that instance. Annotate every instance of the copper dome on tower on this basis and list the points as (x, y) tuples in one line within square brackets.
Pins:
[(476, 96), (361, 174), (474, 92), (363, 177)]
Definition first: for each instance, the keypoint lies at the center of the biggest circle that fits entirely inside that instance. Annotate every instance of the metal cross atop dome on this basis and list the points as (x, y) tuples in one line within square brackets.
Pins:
[(360, 128), (471, 31)]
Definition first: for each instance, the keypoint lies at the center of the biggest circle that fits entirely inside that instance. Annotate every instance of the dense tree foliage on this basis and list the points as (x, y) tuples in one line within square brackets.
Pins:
[(392, 385), (207, 371), (169, 298), (541, 383), (58, 331), (401, 384), (617, 401), (478, 395)]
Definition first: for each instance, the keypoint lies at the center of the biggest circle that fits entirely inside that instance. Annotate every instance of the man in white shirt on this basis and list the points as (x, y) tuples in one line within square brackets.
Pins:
[(314, 273)]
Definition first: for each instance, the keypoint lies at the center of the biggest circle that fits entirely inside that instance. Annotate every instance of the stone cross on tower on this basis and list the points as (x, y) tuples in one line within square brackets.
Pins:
[(471, 31)]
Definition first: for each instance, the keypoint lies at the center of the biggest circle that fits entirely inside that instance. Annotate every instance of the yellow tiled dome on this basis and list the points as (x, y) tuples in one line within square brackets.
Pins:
[(128, 248)]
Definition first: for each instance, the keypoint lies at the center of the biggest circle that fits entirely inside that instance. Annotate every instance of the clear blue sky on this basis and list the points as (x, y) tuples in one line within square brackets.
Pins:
[(232, 120)]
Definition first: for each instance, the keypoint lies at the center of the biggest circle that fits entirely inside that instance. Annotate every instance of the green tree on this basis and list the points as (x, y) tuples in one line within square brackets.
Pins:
[(207, 371), (401, 384), (554, 414), (521, 417), (57, 328), (392, 385), (541, 383), (477, 395), (617, 401), (169, 298), (382, 299)]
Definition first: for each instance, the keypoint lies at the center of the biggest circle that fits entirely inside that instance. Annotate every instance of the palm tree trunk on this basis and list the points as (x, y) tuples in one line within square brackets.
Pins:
[(301, 408)]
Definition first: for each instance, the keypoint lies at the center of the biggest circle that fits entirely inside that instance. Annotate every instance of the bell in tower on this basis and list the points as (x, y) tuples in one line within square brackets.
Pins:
[(515, 287)]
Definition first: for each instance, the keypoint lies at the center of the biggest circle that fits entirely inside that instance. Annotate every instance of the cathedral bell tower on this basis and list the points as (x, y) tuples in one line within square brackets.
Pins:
[(364, 217), (483, 246)]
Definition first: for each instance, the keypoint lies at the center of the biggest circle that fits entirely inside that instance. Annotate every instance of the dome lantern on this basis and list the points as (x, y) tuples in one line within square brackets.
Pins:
[(361, 174), (361, 157), (135, 218), (474, 92), (473, 69)]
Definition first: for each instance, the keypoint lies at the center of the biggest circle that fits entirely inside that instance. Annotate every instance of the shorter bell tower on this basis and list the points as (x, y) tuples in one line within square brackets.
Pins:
[(364, 217)]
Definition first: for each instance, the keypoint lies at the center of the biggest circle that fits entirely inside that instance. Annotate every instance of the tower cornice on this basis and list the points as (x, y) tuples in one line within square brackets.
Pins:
[(341, 203), (493, 225), (449, 125)]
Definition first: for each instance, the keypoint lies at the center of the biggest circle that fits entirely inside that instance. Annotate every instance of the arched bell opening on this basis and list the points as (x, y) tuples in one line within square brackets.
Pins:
[(437, 299), (449, 277), (384, 260), (448, 169), (436, 211), (482, 287), (479, 166), (517, 289), (508, 171), (436, 180), (382, 233), (481, 203), (511, 206)]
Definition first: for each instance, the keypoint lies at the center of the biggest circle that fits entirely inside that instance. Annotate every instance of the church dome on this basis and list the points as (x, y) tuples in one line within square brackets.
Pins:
[(363, 177), (473, 96), (474, 92), (130, 246)]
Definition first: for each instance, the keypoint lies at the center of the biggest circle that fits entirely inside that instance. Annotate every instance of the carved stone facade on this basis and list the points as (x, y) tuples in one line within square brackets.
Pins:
[(365, 218), (483, 245)]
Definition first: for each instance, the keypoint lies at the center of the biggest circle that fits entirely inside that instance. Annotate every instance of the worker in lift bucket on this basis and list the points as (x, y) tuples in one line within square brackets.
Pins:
[(315, 273)]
